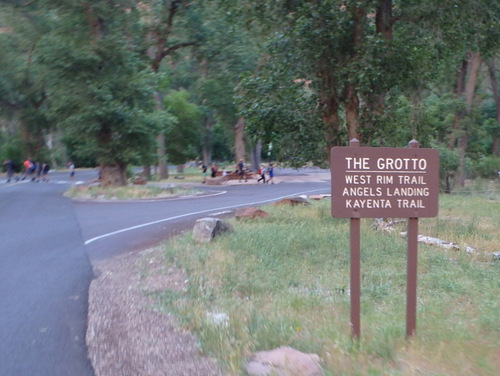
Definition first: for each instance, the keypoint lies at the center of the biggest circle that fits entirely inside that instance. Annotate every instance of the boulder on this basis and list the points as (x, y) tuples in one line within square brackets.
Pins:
[(320, 197), (140, 180), (293, 201), (251, 212), (284, 361), (205, 229)]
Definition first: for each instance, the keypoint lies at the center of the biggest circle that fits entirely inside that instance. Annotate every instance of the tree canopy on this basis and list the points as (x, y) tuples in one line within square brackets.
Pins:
[(136, 82)]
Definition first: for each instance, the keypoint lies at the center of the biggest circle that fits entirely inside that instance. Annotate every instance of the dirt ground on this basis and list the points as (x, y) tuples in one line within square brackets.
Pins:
[(127, 335)]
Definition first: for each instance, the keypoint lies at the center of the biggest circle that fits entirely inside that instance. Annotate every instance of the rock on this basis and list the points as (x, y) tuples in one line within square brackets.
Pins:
[(251, 212), (293, 201), (140, 180), (469, 249), (284, 361), (218, 319), (496, 255), (320, 197), (205, 229)]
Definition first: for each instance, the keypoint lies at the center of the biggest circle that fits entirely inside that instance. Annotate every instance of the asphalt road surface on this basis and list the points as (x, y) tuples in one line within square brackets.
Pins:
[(48, 244)]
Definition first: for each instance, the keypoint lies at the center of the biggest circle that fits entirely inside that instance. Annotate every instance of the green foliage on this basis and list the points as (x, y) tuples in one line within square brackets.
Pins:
[(487, 167), (101, 90), (318, 46), (182, 139), (221, 144), (12, 148), (448, 164), (282, 110), (290, 67), (22, 88)]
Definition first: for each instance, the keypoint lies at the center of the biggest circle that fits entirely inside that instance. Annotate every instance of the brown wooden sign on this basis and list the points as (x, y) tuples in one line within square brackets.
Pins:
[(370, 182), (384, 182)]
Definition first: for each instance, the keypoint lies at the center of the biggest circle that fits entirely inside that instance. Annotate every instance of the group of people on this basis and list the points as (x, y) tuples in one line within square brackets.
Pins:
[(242, 172), (263, 170), (32, 170)]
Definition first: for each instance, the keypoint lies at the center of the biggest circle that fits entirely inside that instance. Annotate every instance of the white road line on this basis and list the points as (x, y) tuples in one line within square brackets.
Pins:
[(89, 241)]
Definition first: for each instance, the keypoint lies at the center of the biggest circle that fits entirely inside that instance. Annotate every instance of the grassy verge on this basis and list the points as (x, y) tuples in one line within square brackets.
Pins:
[(129, 192), (284, 280)]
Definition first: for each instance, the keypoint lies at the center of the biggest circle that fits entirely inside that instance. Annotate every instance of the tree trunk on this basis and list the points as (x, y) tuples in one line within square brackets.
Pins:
[(351, 96), (496, 96), (207, 139), (146, 172), (352, 112), (470, 89), (239, 139), (160, 141), (384, 19), (113, 175), (256, 153), (207, 155), (459, 92), (162, 157)]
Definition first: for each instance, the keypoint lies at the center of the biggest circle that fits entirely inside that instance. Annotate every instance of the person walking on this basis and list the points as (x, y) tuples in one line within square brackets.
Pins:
[(38, 171), (214, 170), (71, 167), (45, 172), (270, 170), (10, 169), (204, 173), (241, 170), (29, 169), (262, 173)]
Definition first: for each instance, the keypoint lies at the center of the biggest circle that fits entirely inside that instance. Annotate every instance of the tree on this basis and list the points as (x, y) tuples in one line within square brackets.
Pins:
[(211, 70), (158, 18), (183, 137), (351, 55), (366, 61), (100, 87), (495, 127), (23, 93)]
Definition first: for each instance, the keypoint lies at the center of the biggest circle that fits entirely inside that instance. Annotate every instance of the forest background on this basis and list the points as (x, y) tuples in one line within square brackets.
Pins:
[(117, 83)]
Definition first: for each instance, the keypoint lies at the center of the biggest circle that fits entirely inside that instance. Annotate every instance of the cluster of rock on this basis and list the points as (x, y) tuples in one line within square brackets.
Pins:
[(206, 229)]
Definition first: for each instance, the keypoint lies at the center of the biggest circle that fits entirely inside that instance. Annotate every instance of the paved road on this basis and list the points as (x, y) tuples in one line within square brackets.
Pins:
[(44, 277), (47, 246)]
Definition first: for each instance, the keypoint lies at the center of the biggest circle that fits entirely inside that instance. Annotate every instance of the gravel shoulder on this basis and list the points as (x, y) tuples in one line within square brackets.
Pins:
[(126, 334)]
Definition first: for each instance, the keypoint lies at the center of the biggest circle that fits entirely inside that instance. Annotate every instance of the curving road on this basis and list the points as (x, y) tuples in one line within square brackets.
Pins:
[(48, 244)]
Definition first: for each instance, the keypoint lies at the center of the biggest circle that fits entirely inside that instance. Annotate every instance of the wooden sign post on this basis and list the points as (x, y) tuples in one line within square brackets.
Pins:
[(384, 182)]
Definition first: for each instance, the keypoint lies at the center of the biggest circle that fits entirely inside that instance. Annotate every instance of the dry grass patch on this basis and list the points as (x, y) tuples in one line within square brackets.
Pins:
[(130, 192)]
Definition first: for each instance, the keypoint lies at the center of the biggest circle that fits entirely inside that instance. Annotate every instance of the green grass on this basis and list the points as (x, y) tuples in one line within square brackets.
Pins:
[(284, 280)]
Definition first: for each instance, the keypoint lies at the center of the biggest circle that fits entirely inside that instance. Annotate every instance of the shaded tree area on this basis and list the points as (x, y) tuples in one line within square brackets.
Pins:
[(23, 92), (100, 87), (375, 71), (148, 82)]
